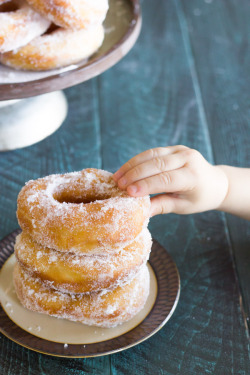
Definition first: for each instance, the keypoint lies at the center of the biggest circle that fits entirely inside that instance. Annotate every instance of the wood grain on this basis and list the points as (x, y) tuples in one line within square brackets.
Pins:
[(222, 62), (185, 81), (167, 106)]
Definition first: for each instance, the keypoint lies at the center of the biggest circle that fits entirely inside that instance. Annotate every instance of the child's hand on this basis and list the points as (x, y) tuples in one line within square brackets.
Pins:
[(186, 182)]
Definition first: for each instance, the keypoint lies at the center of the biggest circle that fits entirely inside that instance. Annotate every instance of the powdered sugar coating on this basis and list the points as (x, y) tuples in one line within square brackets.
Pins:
[(104, 309), (72, 273), (60, 48), (112, 218), (20, 27), (73, 14)]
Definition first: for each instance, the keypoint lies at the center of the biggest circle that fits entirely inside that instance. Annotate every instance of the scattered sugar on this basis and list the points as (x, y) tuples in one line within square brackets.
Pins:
[(111, 309), (53, 258), (9, 307), (76, 261), (39, 254), (109, 30)]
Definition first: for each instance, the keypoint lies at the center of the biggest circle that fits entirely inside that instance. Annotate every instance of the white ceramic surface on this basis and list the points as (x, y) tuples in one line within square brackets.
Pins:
[(28, 121), (62, 330)]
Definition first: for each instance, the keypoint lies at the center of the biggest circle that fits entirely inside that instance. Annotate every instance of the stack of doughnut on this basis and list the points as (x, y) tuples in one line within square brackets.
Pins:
[(49, 34), (83, 249)]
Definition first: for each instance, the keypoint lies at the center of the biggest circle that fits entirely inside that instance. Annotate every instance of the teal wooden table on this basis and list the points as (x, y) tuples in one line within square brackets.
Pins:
[(186, 81)]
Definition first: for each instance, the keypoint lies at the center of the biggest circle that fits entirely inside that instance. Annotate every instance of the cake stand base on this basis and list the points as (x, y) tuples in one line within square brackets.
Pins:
[(28, 121)]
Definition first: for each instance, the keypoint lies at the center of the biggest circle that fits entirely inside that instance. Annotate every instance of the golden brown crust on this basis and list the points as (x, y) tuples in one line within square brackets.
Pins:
[(58, 49), (110, 221), (105, 309), (19, 25), (81, 274), (73, 14)]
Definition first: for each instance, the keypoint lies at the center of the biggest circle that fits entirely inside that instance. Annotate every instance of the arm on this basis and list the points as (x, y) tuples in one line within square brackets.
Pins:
[(185, 182), (237, 200)]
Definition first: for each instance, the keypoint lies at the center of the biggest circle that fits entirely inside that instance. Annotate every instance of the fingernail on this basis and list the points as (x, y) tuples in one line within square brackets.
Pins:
[(132, 189), (122, 182), (117, 175)]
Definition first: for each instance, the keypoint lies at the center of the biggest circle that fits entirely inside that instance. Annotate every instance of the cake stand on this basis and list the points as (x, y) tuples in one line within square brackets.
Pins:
[(31, 105)]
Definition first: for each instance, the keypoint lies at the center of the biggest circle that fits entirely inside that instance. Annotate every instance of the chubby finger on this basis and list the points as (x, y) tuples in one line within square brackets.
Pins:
[(168, 203), (167, 182), (144, 157), (153, 167)]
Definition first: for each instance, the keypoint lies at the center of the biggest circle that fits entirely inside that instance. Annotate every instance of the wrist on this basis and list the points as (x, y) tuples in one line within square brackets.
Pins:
[(223, 187), (225, 178)]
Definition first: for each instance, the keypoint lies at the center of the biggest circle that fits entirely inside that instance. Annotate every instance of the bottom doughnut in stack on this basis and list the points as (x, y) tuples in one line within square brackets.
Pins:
[(107, 308)]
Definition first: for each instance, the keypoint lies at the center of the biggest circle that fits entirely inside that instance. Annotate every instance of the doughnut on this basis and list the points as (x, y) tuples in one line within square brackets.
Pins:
[(19, 24), (56, 49), (104, 309), (81, 212), (71, 273), (72, 14)]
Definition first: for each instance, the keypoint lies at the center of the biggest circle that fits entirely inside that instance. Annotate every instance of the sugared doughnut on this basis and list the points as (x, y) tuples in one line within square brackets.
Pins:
[(19, 24), (73, 14), (81, 212), (56, 49), (104, 309), (71, 273)]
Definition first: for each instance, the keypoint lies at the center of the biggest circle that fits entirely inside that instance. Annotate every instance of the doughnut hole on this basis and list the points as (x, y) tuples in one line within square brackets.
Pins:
[(8, 7), (51, 29), (75, 194)]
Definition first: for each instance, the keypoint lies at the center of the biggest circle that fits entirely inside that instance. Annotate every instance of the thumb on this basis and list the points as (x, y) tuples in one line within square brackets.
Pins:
[(166, 204)]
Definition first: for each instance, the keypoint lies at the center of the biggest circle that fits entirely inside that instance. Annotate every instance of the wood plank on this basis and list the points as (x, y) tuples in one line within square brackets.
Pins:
[(17, 360), (76, 145), (219, 33), (156, 101), (149, 99)]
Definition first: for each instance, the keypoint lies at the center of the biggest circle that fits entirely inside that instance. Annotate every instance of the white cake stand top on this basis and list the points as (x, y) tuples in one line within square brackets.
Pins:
[(122, 27)]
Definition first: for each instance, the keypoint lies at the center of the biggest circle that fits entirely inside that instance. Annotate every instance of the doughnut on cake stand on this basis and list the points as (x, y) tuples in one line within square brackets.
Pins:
[(32, 108)]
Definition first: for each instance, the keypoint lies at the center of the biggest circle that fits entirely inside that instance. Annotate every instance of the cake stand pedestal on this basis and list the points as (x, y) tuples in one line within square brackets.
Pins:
[(27, 121), (32, 108)]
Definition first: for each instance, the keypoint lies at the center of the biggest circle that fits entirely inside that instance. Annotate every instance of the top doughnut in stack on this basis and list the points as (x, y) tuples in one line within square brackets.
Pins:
[(29, 41), (83, 250)]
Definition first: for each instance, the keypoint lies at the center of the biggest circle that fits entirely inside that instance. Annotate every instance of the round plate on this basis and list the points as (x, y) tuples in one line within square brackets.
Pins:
[(166, 301), (122, 27)]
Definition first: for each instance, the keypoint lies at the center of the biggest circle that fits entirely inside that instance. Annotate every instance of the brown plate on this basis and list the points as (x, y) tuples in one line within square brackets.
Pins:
[(122, 25), (168, 290)]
